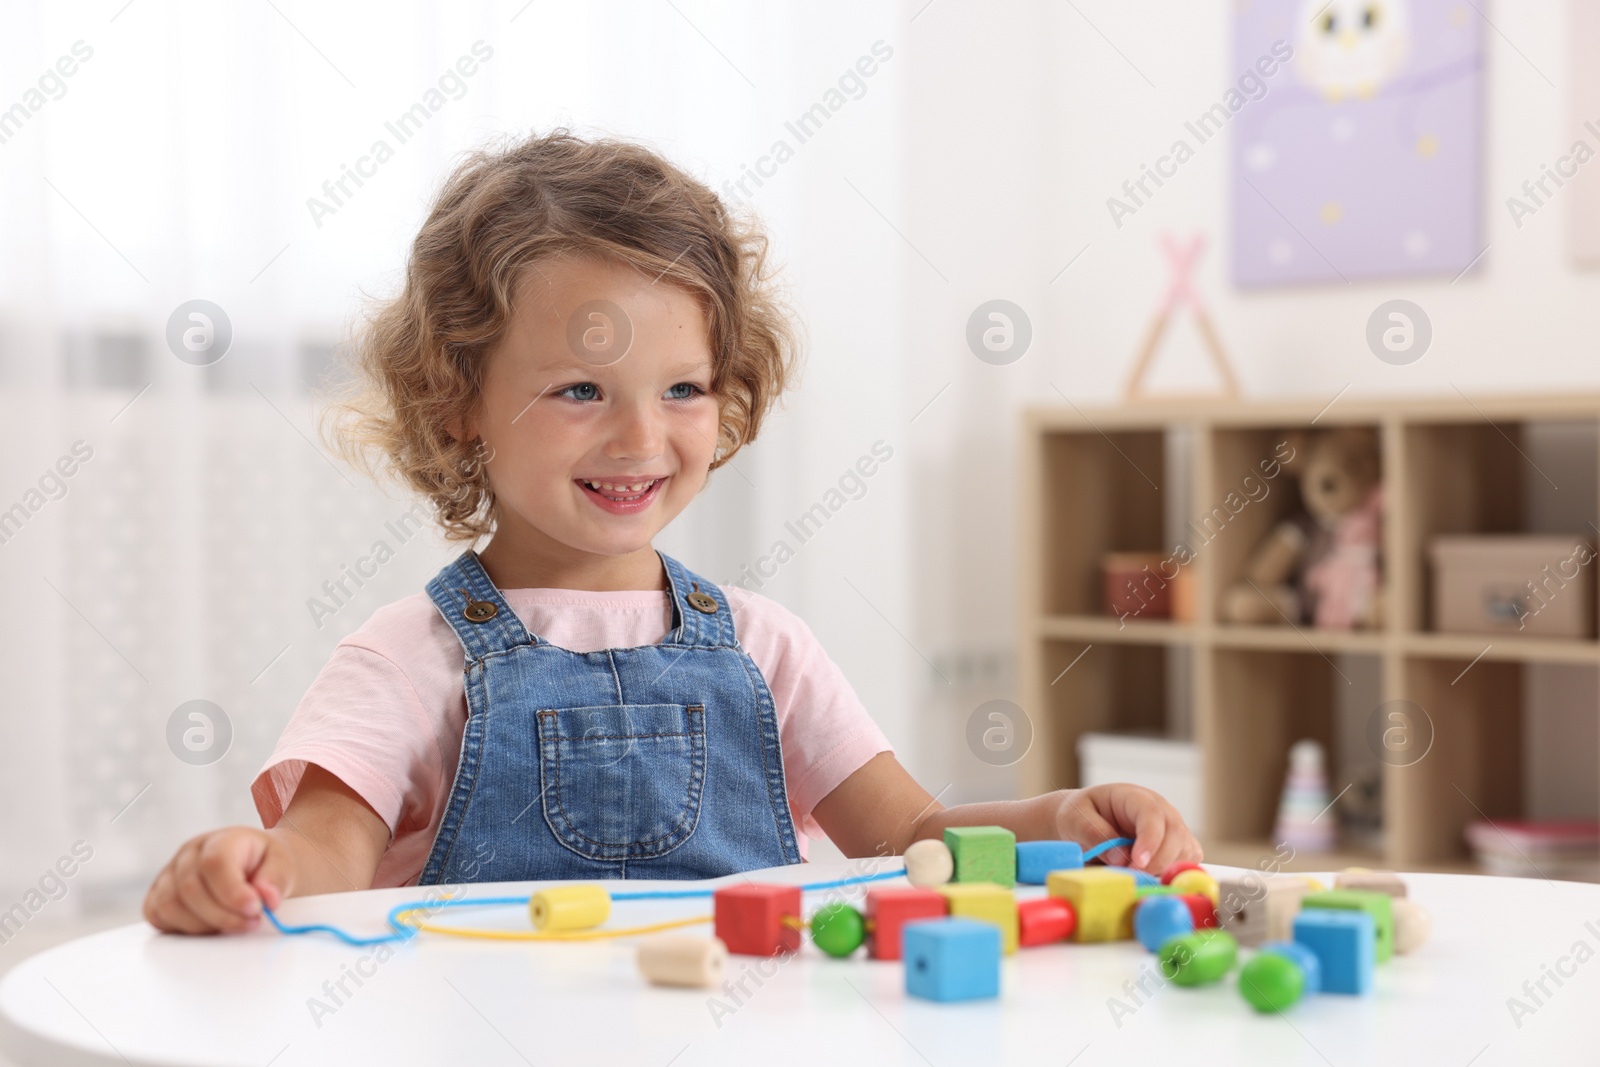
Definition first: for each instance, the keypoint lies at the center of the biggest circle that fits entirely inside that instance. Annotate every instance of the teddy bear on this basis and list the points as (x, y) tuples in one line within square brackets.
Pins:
[(1323, 565)]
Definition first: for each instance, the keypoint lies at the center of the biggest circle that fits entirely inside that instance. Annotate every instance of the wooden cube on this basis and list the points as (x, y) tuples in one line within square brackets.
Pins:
[(749, 918), (983, 854), (1242, 909), (1036, 859), (1102, 898), (889, 909), (1378, 905), (952, 959), (985, 902), (1345, 943), (1371, 882)]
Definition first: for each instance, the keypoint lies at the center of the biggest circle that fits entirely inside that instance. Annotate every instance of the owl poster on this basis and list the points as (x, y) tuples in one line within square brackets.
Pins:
[(1366, 160)]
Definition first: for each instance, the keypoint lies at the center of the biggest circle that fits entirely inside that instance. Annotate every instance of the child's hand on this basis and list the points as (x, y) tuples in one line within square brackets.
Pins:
[(1090, 816), (218, 881)]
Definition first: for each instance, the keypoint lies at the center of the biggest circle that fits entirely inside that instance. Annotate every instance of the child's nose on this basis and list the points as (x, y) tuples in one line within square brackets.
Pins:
[(637, 433)]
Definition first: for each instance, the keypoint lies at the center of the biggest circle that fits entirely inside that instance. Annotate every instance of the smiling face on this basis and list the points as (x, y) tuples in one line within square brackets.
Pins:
[(597, 415)]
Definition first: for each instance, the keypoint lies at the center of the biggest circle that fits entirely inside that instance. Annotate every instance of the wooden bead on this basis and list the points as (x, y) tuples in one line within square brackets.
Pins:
[(889, 908), (983, 854), (929, 863), (1199, 958), (694, 962), (838, 929), (1159, 919), (1196, 881), (570, 907), (749, 918), (1175, 869), (1036, 859), (952, 959), (1202, 909), (1271, 982), (987, 902), (1045, 919), (1103, 900), (1379, 905), (1411, 924)]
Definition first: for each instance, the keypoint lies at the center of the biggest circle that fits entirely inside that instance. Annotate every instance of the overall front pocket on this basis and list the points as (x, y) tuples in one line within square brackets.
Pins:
[(622, 781)]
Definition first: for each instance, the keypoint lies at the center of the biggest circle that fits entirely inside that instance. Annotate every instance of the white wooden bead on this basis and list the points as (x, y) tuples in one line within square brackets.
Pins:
[(696, 962), (929, 863), (1412, 925)]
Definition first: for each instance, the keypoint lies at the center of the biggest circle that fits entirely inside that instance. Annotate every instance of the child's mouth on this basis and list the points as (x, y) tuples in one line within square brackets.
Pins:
[(621, 497)]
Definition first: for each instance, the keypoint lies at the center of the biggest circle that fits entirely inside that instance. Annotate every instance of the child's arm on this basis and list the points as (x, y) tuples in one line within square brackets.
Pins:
[(880, 809), (329, 840)]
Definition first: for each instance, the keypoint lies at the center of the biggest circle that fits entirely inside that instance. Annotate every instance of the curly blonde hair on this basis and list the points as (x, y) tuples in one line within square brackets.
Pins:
[(419, 357)]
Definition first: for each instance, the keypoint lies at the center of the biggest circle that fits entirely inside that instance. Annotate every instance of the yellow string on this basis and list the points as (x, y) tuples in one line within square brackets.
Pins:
[(563, 935)]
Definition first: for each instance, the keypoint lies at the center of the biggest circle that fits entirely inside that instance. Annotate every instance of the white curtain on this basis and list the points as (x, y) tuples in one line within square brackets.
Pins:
[(153, 154)]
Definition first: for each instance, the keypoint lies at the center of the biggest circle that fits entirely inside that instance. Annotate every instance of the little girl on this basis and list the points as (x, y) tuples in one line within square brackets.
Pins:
[(585, 332)]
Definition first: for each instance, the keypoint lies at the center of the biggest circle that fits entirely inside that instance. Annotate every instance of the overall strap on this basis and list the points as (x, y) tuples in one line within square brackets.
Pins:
[(700, 612), (475, 610)]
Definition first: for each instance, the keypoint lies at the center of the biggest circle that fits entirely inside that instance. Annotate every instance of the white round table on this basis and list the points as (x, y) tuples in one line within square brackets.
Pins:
[(133, 996)]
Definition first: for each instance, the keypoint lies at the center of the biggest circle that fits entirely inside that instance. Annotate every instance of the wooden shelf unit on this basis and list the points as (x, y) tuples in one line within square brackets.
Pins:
[(1124, 479)]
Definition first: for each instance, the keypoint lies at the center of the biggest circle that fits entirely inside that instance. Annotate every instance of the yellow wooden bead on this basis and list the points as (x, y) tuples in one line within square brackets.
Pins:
[(1315, 884), (987, 902), (1102, 898), (1197, 882), (570, 907)]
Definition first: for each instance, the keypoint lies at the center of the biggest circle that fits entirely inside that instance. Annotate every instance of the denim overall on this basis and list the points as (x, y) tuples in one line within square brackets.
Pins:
[(660, 761)]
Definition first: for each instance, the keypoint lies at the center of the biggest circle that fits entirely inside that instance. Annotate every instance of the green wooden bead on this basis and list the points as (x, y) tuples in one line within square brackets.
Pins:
[(1154, 891), (838, 929), (1197, 958), (1271, 982)]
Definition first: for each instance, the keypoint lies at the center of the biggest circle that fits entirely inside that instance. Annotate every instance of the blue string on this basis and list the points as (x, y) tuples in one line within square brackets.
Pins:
[(406, 933), (1106, 846)]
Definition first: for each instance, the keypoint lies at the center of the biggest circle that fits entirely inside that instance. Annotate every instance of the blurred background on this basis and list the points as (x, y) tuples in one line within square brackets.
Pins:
[(157, 154)]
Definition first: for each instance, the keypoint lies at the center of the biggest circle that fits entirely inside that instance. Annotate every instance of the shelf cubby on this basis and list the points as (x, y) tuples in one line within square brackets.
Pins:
[(1141, 477)]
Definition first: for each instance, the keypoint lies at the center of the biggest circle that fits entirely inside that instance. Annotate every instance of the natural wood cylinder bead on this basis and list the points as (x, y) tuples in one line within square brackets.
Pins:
[(693, 962), (1412, 925), (929, 863)]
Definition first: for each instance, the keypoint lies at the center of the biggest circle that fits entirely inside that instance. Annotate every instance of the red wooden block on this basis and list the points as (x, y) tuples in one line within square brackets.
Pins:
[(1202, 909), (1178, 868), (749, 918), (890, 909), (1044, 920)]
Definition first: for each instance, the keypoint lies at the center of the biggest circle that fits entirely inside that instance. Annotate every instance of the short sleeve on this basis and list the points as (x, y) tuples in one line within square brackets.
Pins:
[(362, 721)]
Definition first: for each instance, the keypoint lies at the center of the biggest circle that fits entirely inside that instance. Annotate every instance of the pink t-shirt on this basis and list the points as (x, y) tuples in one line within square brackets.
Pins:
[(386, 713)]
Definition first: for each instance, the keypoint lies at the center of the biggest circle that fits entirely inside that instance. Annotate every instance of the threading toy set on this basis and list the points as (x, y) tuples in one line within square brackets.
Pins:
[(961, 914)]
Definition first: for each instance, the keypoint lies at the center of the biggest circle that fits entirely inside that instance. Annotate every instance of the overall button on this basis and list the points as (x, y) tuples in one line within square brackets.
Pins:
[(702, 603)]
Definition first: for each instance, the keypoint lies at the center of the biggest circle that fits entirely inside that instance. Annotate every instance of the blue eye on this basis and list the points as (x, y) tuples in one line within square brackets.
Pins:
[(581, 391), (684, 391)]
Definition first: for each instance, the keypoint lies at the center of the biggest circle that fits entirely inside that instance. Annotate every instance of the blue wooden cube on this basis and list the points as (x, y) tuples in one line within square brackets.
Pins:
[(1309, 964), (1345, 943), (1035, 859), (951, 959)]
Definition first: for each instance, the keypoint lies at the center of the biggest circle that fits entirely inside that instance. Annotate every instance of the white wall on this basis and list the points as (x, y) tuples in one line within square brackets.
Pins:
[(1022, 119)]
